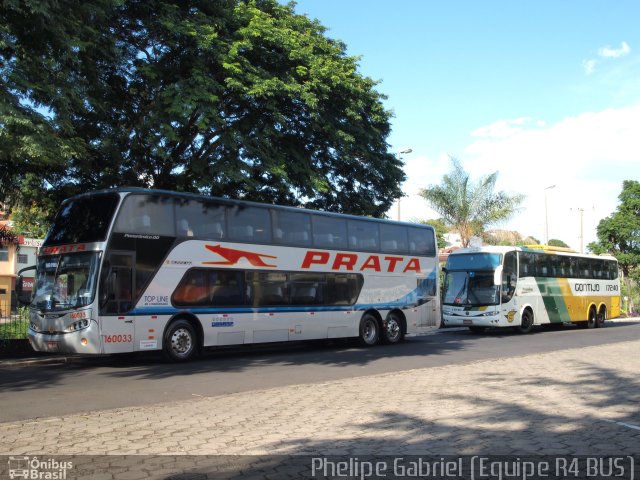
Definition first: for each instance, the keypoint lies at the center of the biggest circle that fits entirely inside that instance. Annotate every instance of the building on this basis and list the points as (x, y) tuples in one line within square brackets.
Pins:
[(16, 253)]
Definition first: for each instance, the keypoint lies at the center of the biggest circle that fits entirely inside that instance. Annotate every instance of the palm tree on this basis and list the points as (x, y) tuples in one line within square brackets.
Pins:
[(470, 207)]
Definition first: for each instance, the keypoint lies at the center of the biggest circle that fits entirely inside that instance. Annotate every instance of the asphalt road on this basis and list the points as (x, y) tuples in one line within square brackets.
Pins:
[(89, 384)]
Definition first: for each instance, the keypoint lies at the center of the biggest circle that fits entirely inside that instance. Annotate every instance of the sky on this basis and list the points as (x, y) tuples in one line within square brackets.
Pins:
[(545, 92)]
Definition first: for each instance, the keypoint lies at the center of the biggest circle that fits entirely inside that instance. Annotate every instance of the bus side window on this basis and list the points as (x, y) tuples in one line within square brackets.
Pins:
[(394, 239), (363, 235), (329, 232), (421, 242), (146, 214), (293, 228), (249, 224)]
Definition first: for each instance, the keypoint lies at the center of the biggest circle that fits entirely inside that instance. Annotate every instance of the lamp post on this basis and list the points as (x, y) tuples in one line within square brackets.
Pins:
[(546, 215), (399, 157)]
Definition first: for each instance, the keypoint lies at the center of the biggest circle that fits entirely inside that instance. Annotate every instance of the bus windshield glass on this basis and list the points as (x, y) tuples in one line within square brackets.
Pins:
[(470, 289), (469, 279), (66, 281), (83, 219)]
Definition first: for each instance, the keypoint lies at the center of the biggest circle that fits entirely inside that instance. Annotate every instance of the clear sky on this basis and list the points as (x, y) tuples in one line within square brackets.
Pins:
[(545, 92)]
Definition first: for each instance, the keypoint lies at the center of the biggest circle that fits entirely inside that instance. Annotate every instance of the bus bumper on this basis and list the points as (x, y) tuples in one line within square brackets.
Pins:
[(85, 341), (460, 317)]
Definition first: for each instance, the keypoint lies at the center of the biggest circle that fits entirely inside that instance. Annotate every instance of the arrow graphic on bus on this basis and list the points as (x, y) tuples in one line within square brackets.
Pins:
[(233, 256)]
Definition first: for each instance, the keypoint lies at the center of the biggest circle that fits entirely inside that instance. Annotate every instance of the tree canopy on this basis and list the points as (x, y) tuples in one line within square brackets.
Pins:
[(470, 207), (619, 233), (237, 98)]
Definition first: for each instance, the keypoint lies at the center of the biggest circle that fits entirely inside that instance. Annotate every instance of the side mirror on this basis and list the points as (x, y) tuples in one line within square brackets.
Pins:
[(23, 297), (497, 276)]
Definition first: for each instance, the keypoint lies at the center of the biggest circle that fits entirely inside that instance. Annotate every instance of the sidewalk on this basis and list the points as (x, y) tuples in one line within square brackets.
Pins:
[(579, 401)]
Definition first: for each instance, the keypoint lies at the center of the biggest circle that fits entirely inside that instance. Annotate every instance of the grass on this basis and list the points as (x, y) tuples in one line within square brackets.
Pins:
[(14, 327)]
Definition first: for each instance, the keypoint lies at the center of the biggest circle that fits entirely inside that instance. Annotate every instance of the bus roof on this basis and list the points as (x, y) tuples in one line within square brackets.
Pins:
[(531, 248), (231, 201)]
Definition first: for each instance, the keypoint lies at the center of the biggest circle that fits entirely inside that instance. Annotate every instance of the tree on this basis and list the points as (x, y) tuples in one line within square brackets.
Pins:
[(470, 207), (237, 98), (619, 233)]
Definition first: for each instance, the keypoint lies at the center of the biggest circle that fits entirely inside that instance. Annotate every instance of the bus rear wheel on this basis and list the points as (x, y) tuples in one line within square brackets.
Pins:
[(180, 341), (592, 321), (393, 331), (602, 316), (369, 330)]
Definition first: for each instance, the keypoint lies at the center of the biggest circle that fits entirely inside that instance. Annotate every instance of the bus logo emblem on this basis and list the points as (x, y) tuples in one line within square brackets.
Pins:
[(233, 256)]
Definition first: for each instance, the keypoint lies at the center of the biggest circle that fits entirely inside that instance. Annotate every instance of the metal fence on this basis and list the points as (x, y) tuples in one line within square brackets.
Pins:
[(13, 324)]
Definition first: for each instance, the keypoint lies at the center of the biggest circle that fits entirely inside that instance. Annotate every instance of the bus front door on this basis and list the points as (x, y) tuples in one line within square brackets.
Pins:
[(118, 323)]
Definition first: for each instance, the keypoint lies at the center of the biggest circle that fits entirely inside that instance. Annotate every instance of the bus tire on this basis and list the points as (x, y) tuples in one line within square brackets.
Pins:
[(602, 316), (592, 320), (369, 330), (393, 329), (526, 322), (180, 341)]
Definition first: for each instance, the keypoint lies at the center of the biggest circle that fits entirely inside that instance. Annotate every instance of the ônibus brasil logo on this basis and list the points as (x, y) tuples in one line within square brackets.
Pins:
[(35, 468)]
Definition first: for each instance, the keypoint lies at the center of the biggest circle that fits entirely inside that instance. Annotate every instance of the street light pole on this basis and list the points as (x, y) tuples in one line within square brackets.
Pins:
[(399, 157), (546, 215), (581, 211)]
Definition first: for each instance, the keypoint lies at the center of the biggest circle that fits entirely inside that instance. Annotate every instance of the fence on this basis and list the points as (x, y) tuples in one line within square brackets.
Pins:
[(13, 325)]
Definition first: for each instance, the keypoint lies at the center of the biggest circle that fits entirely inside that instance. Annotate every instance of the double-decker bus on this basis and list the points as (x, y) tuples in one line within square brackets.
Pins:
[(525, 286), (132, 269)]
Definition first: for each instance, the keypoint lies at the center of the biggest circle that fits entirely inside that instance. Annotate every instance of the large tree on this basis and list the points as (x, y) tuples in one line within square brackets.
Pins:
[(238, 98), (619, 234), (469, 207)]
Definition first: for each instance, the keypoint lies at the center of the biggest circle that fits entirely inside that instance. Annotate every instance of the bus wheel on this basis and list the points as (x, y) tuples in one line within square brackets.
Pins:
[(180, 341), (592, 321), (369, 330), (602, 316), (393, 331), (526, 323)]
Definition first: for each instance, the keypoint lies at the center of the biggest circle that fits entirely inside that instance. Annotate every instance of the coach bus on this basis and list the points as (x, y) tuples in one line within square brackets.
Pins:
[(525, 286), (133, 269)]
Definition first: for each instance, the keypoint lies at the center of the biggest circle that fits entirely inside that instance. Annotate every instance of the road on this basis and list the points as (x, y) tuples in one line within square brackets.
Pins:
[(90, 384)]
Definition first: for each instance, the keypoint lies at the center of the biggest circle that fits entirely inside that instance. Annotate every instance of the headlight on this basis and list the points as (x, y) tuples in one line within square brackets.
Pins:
[(79, 325)]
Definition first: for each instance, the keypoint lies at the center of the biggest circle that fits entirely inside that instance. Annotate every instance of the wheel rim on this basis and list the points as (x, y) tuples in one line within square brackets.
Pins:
[(526, 321), (181, 342), (370, 331), (393, 329)]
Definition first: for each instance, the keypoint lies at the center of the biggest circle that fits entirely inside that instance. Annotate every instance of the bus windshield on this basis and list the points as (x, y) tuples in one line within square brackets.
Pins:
[(470, 279), (84, 219), (470, 289), (66, 281)]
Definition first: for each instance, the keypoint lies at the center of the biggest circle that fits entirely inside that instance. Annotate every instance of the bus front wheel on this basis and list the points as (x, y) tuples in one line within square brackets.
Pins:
[(369, 330), (526, 323), (180, 341)]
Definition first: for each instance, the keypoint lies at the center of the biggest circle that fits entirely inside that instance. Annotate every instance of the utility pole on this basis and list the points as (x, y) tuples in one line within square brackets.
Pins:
[(581, 211), (399, 157), (546, 216)]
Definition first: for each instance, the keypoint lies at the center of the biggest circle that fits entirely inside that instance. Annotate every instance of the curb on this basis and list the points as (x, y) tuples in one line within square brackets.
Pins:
[(17, 362)]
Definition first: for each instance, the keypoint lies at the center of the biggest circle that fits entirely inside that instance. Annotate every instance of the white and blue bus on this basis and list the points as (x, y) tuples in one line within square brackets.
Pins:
[(133, 270)]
